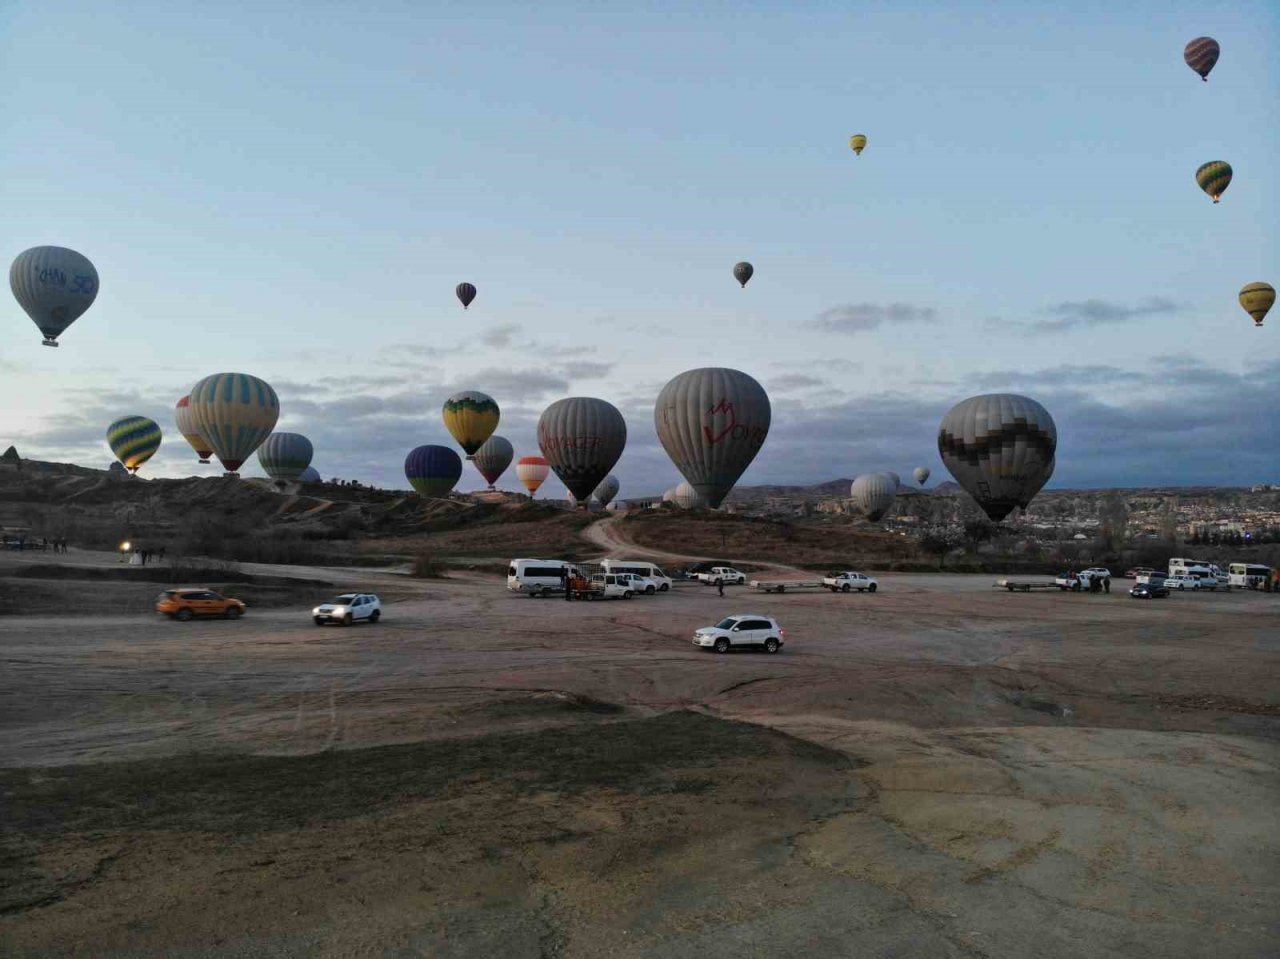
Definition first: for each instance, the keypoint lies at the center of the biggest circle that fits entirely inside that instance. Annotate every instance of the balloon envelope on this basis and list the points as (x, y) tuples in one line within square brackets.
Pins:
[(1257, 299), (234, 412), (433, 470), (284, 456), (310, 475), (582, 438), (1214, 177), (873, 494), (55, 286), (466, 293), (532, 472), (1201, 54), (712, 423), (186, 423), (743, 271), (471, 418), (1000, 447), (857, 143), (493, 457), (687, 497), (134, 440), (921, 474), (607, 490)]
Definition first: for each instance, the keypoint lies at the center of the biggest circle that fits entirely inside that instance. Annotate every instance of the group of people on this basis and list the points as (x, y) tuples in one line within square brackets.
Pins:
[(142, 556), (58, 544)]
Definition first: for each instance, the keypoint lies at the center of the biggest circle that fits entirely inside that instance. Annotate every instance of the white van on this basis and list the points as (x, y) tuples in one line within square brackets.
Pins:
[(538, 577), (640, 567)]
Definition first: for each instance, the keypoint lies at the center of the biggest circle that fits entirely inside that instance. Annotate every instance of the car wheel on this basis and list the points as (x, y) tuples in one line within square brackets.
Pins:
[(770, 645), (375, 616), (346, 620), (627, 594), (844, 588), (722, 645), (742, 581), (319, 621), (233, 612), (664, 587), (649, 590), (871, 588), (184, 615)]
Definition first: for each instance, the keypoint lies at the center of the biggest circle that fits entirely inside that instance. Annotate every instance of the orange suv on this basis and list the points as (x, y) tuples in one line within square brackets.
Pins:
[(185, 603)]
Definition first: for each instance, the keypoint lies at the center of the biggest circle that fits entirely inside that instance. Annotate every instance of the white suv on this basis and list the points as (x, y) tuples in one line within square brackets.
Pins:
[(639, 584), (348, 608), (745, 630), (1181, 582)]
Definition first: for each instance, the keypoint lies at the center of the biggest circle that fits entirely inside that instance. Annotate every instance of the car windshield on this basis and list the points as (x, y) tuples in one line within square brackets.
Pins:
[(344, 600), (728, 623)]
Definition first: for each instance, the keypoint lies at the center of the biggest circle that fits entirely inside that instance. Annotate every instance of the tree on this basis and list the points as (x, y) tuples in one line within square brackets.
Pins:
[(941, 541)]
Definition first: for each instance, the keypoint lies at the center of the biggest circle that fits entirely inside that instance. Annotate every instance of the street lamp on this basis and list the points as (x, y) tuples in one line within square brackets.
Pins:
[(124, 550)]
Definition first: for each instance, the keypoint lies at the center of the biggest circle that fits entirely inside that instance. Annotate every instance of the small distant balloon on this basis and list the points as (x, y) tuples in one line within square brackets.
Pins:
[(185, 419), (285, 456), (921, 473), (1257, 299), (54, 286), (493, 457), (310, 475), (873, 494), (134, 440), (686, 497), (1201, 54), (607, 490), (1214, 177), (743, 271), (857, 143), (532, 472), (466, 293)]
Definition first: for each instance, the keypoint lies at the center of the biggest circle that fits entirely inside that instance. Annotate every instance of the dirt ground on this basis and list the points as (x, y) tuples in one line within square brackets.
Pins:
[(938, 769)]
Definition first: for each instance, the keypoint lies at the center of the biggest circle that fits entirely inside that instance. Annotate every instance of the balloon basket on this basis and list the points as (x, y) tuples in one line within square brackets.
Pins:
[(48, 341)]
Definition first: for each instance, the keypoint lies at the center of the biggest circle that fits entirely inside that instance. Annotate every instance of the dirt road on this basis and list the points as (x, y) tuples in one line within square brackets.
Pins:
[(609, 535), (939, 769)]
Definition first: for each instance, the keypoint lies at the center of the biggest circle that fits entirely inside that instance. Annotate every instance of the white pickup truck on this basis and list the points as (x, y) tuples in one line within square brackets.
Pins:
[(849, 580), (722, 574)]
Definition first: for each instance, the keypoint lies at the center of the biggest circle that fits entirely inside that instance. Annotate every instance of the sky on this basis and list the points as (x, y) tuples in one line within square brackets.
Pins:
[(293, 190)]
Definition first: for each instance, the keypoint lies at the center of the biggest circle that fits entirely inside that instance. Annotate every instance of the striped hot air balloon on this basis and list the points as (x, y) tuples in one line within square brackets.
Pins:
[(857, 143), (234, 412), (465, 293), (187, 427), (1214, 177), (1257, 299), (493, 457), (532, 472), (134, 440), (606, 490), (471, 417), (433, 470), (1201, 54), (284, 456), (582, 438), (873, 494)]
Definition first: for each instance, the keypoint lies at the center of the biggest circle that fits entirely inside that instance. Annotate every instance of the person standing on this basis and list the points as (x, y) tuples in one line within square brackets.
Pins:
[(568, 583), (1106, 583), (720, 586)]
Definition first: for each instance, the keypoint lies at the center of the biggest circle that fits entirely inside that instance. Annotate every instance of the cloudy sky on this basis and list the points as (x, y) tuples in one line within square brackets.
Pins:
[(294, 189)]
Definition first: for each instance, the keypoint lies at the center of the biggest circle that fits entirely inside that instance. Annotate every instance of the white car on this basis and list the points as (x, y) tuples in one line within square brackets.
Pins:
[(723, 574), (1181, 582), (640, 585), (849, 580), (742, 631), (1098, 572), (348, 608), (640, 567)]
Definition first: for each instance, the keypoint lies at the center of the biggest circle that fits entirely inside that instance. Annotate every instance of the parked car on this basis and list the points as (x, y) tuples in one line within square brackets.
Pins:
[(1070, 581), (1149, 591), (640, 567), (185, 604), (638, 584), (348, 608), (1181, 582), (1152, 576), (848, 580), (705, 566), (1097, 572), (723, 574), (741, 631), (1137, 571)]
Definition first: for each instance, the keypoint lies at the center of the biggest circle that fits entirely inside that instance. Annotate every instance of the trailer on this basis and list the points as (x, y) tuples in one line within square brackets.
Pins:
[(785, 585), (1025, 585)]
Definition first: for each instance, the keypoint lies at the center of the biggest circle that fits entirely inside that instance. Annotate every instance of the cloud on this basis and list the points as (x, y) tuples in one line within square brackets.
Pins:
[(794, 381), (1075, 314), (858, 317), (500, 336), (585, 370)]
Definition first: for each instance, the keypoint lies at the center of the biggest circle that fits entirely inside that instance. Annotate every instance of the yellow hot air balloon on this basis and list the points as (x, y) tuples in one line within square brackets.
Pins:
[(1257, 298), (857, 142), (471, 418)]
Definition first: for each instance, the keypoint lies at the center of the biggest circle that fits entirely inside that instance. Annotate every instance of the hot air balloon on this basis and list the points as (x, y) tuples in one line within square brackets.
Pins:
[(466, 293), (55, 286), (897, 480), (134, 440), (743, 271), (284, 456), (1214, 177), (1257, 299), (686, 497), (607, 490), (234, 412), (1000, 447), (433, 470), (921, 473), (187, 427), (712, 423), (669, 495), (1201, 54), (857, 143), (532, 471), (471, 418), (582, 438), (310, 475), (873, 494), (493, 457)]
